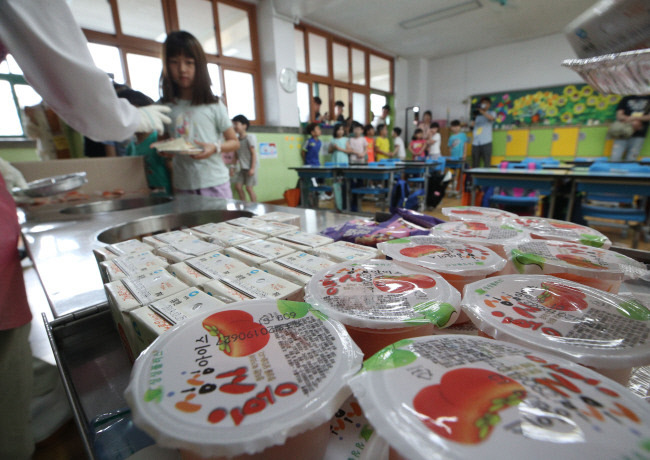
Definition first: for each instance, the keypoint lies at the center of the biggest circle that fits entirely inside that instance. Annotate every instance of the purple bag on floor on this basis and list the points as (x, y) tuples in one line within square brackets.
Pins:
[(418, 218)]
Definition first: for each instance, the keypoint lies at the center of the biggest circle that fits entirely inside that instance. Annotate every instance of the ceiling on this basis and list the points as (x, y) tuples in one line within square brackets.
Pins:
[(494, 22)]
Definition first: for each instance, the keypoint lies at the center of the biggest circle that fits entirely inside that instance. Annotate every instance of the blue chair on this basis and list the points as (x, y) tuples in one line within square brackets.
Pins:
[(525, 195), (614, 202)]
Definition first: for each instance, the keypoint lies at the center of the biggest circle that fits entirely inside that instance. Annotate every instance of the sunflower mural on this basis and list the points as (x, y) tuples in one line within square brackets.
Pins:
[(560, 105)]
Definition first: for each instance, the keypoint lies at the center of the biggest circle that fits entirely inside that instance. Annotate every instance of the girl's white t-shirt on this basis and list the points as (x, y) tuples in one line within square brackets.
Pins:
[(204, 123), (434, 149)]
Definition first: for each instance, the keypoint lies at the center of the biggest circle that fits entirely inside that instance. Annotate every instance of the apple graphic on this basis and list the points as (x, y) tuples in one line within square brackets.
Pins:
[(580, 261), (422, 250), (464, 406), (477, 226), (238, 334), (403, 283), (467, 212), (560, 297)]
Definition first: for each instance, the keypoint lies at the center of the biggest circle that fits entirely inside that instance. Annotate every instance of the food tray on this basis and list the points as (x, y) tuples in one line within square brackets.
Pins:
[(51, 186)]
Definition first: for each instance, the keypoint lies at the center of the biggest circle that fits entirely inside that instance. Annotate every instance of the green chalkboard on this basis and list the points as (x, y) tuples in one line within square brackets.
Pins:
[(576, 104)]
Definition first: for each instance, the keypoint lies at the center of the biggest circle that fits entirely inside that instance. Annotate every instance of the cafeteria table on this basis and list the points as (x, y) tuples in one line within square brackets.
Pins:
[(524, 178), (308, 172), (366, 172)]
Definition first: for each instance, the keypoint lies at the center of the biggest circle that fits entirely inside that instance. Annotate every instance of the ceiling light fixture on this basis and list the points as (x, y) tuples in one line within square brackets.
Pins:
[(442, 13)]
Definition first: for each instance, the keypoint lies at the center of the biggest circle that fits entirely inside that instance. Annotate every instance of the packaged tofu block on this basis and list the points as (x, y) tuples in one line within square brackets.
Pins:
[(342, 251), (127, 294), (595, 267), (165, 239), (205, 230), (298, 267), (262, 378), (255, 283), (283, 217), (202, 269), (467, 398), (492, 235), (381, 302), (304, 241), (144, 263), (228, 235), (187, 274), (121, 249), (269, 228), (553, 229), (257, 252), (598, 329), (186, 249)]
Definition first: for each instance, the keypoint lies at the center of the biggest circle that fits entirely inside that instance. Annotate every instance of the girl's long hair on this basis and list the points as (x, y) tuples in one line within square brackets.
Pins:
[(181, 43)]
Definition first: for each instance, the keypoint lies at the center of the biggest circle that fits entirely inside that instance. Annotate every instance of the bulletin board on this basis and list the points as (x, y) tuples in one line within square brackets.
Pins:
[(575, 104)]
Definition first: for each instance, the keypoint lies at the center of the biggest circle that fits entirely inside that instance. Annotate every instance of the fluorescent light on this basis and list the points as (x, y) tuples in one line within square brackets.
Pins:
[(442, 13)]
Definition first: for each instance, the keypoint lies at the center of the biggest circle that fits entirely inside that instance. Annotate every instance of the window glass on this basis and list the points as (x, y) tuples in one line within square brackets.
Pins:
[(299, 43), (235, 32), (27, 96), (215, 79), (303, 102), (318, 63), (9, 120), (379, 73), (341, 62), (241, 94), (323, 91), (143, 19), (145, 74), (359, 108), (358, 67), (342, 94), (377, 101), (196, 15), (107, 58), (93, 15), (9, 65)]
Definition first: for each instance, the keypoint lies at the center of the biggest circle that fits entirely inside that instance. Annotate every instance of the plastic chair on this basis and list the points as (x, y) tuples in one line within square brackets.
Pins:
[(525, 195), (605, 201)]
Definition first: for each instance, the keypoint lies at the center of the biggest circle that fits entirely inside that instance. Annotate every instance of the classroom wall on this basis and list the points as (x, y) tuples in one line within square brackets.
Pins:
[(527, 64)]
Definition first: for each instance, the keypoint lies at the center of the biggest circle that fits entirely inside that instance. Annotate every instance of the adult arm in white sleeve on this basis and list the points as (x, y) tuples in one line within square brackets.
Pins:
[(52, 51)]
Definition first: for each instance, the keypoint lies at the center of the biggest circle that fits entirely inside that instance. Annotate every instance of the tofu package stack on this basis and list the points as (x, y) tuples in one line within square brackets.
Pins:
[(283, 217), (226, 235), (298, 267), (257, 252), (187, 248), (268, 228), (151, 321), (128, 294), (122, 248), (302, 241), (342, 251), (207, 267), (254, 283), (142, 264), (165, 239)]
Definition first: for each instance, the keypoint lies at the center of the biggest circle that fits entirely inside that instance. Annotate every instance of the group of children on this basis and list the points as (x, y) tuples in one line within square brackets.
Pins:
[(361, 146)]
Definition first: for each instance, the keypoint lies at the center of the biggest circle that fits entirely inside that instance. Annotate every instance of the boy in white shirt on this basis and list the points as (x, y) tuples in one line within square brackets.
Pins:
[(434, 141), (399, 153)]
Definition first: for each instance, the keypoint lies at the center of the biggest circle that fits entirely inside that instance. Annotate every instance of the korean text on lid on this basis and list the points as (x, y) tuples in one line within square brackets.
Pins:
[(467, 398), (588, 326), (244, 379), (491, 234), (552, 229), (595, 267), (476, 213)]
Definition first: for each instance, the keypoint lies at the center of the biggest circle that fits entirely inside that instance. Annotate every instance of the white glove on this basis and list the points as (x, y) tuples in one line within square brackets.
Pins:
[(153, 118)]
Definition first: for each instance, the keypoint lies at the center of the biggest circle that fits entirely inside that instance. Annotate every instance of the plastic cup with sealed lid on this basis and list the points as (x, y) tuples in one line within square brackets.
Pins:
[(594, 328), (258, 380), (476, 213), (467, 398), (599, 268), (493, 235), (552, 229), (380, 302)]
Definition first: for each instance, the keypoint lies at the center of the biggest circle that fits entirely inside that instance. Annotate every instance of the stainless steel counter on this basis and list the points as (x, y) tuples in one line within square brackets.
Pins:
[(60, 242)]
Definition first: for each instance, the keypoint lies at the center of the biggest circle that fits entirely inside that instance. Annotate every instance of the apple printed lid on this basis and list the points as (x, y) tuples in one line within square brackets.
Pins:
[(476, 213), (379, 294), (543, 255), (444, 255), (243, 378), (479, 232), (463, 398), (586, 325), (552, 229)]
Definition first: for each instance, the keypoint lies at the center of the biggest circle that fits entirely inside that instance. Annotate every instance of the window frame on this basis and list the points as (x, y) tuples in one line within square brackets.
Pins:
[(13, 80), (310, 79)]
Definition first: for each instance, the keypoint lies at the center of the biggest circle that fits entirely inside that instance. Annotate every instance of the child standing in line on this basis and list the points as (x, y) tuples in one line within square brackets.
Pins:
[(198, 116), (247, 159), (399, 152), (434, 141), (339, 147), (382, 144), (457, 141), (418, 145), (312, 147), (358, 144), (369, 133)]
